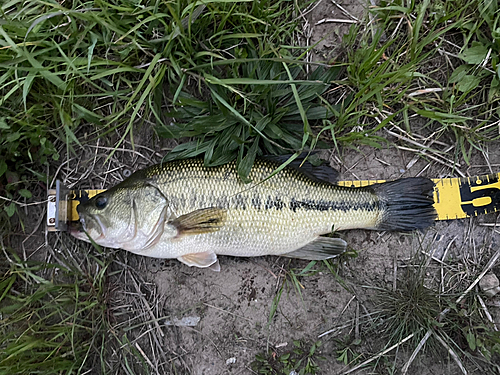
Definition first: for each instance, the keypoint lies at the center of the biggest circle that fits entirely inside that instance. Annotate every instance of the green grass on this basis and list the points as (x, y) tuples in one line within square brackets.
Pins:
[(50, 326), (303, 359), (420, 318), (387, 73), (228, 81), (411, 308)]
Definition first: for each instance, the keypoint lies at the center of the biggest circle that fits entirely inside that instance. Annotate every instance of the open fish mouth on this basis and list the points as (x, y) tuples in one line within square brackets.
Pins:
[(75, 228), (79, 233), (82, 230)]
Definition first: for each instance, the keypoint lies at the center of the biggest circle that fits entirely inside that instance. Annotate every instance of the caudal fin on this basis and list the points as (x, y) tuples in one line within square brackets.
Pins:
[(408, 204)]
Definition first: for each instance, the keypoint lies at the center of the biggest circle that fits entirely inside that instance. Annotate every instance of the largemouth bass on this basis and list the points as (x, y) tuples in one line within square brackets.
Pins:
[(184, 210)]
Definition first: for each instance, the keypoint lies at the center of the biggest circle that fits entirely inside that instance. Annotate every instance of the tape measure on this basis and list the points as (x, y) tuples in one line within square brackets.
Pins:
[(458, 198), (454, 198)]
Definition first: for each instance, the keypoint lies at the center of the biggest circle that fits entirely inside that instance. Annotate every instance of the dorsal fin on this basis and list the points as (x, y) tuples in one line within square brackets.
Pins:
[(320, 173)]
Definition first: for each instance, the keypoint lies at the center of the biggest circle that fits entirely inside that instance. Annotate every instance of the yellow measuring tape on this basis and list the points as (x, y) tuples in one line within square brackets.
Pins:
[(458, 198), (454, 198)]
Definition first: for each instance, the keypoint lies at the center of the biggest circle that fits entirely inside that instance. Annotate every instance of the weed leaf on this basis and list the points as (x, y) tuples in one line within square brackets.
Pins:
[(474, 55)]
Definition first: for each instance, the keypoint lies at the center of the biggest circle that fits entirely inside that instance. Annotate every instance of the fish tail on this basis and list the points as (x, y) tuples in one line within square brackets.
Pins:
[(407, 204)]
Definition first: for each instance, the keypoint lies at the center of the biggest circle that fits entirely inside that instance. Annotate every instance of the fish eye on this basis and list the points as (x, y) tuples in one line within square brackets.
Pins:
[(101, 202)]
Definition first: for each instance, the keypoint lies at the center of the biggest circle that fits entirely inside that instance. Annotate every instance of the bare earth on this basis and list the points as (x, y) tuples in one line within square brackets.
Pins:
[(196, 321)]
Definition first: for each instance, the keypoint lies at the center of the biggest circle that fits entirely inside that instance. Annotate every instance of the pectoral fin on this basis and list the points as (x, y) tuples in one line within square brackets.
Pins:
[(201, 260), (319, 249), (205, 220)]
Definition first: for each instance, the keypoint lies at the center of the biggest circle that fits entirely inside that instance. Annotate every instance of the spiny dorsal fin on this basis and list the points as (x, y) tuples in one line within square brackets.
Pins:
[(321, 173)]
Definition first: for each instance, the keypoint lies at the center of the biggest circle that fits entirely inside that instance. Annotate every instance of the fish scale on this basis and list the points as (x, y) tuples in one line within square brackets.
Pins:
[(185, 210), (276, 195)]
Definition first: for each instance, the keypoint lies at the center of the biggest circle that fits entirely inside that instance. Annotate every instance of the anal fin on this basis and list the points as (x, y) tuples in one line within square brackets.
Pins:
[(319, 249)]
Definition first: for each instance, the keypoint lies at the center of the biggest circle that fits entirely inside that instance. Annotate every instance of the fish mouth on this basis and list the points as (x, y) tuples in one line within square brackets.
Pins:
[(91, 228), (75, 227), (88, 226)]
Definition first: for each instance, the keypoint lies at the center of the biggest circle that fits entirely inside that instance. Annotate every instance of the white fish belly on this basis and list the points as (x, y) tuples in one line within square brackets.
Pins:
[(250, 233)]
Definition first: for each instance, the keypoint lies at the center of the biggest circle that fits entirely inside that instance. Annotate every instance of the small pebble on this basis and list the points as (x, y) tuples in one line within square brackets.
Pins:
[(490, 284), (231, 361)]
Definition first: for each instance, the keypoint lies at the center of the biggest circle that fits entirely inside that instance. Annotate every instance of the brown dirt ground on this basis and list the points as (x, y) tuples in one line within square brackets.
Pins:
[(233, 306)]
